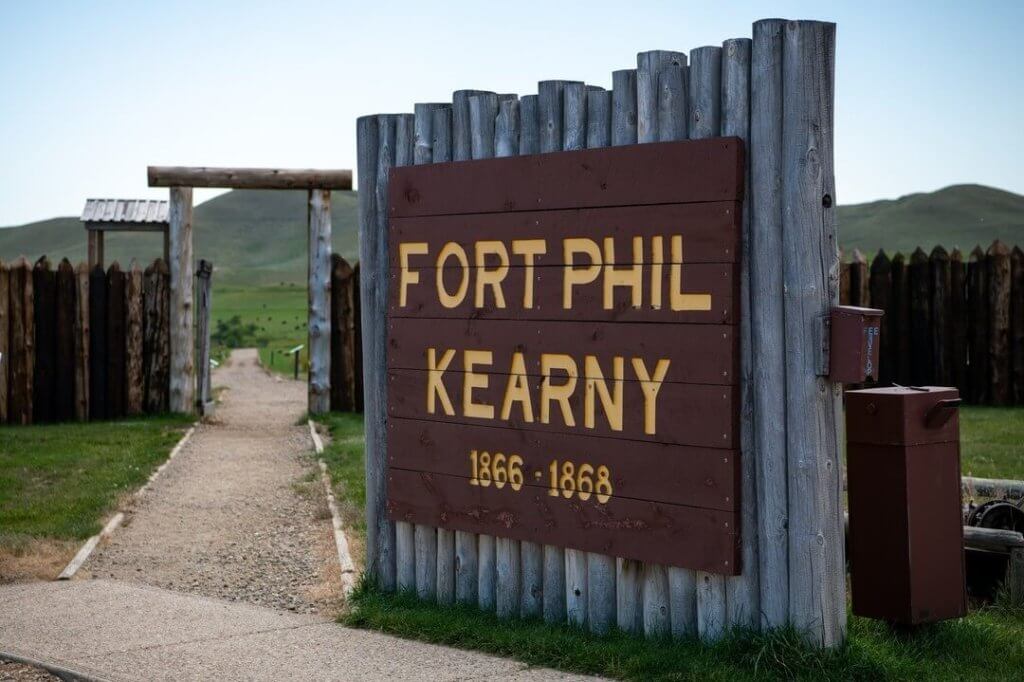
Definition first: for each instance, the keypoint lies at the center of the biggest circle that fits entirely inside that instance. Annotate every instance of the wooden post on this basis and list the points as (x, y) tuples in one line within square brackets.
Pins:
[(319, 342), (999, 322), (204, 297), (901, 319), (845, 282), (64, 400), (98, 349), (742, 591), (375, 137), (767, 319), (977, 302), (22, 344), (649, 66), (1016, 323), (95, 248), (860, 290), (182, 378), (940, 330), (134, 382), (342, 336), (82, 342), (957, 326), (44, 310), (921, 359), (116, 379), (5, 336), (156, 357), (881, 298)]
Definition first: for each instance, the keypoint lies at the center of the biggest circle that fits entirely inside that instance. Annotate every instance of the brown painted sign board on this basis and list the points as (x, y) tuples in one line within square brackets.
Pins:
[(563, 354)]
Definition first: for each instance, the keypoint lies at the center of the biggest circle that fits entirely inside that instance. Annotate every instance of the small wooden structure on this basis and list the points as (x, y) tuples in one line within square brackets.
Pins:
[(319, 184), (123, 215)]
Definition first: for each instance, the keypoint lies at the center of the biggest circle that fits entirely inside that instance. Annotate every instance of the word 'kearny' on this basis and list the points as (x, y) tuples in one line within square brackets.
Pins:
[(600, 262), (559, 380)]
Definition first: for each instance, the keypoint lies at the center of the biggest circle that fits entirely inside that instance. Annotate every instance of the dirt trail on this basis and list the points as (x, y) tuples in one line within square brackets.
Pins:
[(239, 513)]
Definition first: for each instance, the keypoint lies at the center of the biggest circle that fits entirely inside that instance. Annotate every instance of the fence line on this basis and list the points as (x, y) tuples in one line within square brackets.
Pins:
[(948, 322)]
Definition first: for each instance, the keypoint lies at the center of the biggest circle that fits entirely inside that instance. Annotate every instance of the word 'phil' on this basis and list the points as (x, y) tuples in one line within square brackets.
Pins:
[(583, 262)]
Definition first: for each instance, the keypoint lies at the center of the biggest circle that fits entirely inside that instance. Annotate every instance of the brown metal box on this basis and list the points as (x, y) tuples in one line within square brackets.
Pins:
[(906, 534), (853, 344)]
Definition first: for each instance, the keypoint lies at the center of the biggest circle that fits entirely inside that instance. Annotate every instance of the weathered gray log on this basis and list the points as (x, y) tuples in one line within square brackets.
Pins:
[(156, 357), (133, 342), (462, 143), (817, 576), (742, 591), (992, 539), (319, 317), (375, 140), (574, 116), (5, 336), (182, 379), (529, 125), (82, 342), (624, 107), (999, 322), (975, 487), (766, 319), (249, 178), (673, 103), (629, 611), (649, 66), (682, 586), (204, 300), (599, 118), (423, 142)]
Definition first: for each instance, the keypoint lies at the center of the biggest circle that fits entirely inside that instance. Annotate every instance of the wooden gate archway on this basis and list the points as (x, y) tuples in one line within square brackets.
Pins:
[(318, 183)]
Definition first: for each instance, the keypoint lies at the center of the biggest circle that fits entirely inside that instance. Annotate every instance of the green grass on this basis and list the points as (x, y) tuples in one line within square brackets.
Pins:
[(59, 481), (344, 456), (992, 442), (279, 313)]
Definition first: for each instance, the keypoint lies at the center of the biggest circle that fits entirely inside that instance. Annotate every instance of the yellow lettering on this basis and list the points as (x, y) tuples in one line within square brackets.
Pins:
[(630, 277), (650, 387), (657, 258), (596, 385), (573, 275), (435, 386), (408, 275), (679, 300), (471, 380), (452, 300), (492, 278), (560, 393), (517, 390), (528, 248)]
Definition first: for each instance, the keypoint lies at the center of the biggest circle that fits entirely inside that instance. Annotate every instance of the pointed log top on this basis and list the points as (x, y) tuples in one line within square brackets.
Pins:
[(205, 268), (881, 254), (977, 253), (956, 255), (918, 256), (1017, 253), (899, 258), (858, 257), (880, 263), (339, 266), (114, 267), (998, 249), (134, 266), (98, 270), (160, 266), (940, 253), (82, 268), (43, 263), (21, 262), (65, 266)]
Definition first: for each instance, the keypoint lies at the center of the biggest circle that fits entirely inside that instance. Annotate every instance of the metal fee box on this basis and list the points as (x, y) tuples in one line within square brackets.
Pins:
[(853, 344), (906, 533)]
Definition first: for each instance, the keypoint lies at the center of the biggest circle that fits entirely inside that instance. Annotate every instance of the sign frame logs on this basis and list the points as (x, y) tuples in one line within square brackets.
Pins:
[(563, 349)]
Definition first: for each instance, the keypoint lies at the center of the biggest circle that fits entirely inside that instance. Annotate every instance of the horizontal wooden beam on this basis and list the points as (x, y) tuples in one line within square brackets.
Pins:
[(125, 227), (249, 178)]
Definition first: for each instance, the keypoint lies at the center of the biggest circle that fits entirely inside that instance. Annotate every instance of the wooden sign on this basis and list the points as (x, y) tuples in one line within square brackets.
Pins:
[(563, 353)]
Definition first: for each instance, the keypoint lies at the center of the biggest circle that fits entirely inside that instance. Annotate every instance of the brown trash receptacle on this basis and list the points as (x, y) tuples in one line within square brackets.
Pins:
[(906, 546)]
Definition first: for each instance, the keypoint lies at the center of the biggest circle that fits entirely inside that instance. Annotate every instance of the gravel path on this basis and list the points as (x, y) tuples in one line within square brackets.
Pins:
[(239, 514)]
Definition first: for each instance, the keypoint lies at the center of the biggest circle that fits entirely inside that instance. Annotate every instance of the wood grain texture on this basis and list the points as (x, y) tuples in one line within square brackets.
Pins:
[(649, 66), (182, 372), (98, 347), (977, 301), (767, 320), (249, 178), (817, 576), (156, 336), (881, 298), (920, 326), (134, 383), (44, 311), (629, 605), (319, 301), (22, 345), (999, 282), (942, 325), (5, 336), (624, 116), (343, 329), (529, 120), (958, 328), (116, 342), (81, 332), (574, 117)]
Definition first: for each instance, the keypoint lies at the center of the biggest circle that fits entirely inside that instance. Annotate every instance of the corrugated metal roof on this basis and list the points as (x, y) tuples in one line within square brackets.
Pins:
[(124, 211)]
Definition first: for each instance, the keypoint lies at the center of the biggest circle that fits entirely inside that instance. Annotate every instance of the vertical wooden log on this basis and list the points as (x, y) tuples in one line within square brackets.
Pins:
[(742, 591), (204, 302), (405, 533), (98, 349), (529, 122), (977, 301), (881, 298), (156, 337), (705, 103), (957, 315), (600, 567), (5, 336), (624, 107), (859, 286), (462, 144), (64, 399), (116, 317), (22, 344), (1016, 323), (938, 263), (319, 324), (357, 339), (44, 310), (95, 248), (817, 576), (921, 367), (649, 66), (901, 319), (134, 382), (845, 283), (999, 283), (342, 342), (182, 378), (82, 342), (673, 103), (767, 320), (375, 141)]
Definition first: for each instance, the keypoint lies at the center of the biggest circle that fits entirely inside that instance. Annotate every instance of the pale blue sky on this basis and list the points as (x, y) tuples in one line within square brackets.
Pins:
[(928, 93)]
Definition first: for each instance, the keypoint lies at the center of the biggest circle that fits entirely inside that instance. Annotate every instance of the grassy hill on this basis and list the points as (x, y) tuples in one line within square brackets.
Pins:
[(252, 237), (256, 237)]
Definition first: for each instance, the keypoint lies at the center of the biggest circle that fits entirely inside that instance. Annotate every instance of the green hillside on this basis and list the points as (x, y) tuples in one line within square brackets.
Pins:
[(960, 215), (252, 237)]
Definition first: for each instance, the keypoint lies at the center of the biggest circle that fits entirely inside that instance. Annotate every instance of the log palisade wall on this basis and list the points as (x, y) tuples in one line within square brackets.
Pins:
[(951, 319), (80, 344), (775, 92)]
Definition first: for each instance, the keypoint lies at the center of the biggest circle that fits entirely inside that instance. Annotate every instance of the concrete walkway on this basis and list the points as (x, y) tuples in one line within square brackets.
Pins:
[(109, 630)]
